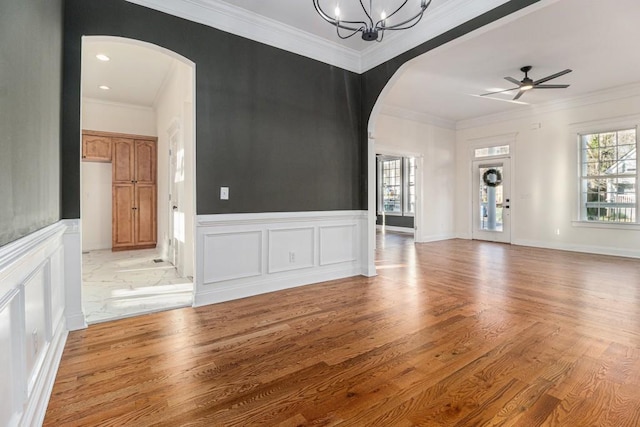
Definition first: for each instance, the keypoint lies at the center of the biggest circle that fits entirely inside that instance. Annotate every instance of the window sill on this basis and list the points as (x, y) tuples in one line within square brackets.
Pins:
[(609, 226)]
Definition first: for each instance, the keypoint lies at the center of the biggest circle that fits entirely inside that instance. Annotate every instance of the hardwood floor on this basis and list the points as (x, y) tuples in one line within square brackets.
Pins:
[(449, 333)]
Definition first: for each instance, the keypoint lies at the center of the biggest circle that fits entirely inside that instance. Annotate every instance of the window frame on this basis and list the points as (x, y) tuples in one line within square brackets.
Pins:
[(602, 127), (404, 183)]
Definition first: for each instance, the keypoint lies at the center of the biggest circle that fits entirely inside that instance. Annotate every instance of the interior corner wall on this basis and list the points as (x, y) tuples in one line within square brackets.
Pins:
[(30, 87), (96, 176), (281, 130), (174, 108), (437, 147), (544, 187)]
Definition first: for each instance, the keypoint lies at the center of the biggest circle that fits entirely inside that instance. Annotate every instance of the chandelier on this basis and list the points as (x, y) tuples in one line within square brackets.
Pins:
[(371, 30)]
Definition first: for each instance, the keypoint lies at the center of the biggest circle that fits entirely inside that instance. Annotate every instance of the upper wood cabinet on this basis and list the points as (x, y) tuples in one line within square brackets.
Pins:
[(123, 168), (96, 148)]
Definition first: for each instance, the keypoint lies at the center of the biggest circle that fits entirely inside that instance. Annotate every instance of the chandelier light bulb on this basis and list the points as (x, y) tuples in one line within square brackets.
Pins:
[(337, 12), (383, 15)]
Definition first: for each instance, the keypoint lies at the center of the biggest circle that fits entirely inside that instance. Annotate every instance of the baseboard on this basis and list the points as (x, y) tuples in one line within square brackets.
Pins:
[(212, 294), (395, 228), (599, 250), (435, 238)]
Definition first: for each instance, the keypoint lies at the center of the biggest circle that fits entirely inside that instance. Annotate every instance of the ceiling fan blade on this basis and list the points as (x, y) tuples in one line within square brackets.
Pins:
[(512, 80), (552, 76), (519, 94), (500, 91), (551, 86)]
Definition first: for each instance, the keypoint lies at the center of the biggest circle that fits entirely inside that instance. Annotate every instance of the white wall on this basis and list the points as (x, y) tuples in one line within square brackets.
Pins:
[(436, 145), (96, 177), (545, 173), (174, 113)]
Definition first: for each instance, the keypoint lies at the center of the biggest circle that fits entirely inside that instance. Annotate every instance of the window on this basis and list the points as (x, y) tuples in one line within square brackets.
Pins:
[(500, 150), (608, 176), (396, 185), (410, 185)]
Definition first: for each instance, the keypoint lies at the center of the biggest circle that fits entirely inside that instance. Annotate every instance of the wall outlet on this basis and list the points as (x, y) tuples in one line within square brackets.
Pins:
[(292, 257)]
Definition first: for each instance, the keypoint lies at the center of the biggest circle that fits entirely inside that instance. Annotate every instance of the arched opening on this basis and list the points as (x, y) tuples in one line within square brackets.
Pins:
[(137, 178)]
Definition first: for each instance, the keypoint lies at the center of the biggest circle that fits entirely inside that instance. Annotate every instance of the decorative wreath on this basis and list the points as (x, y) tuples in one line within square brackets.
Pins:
[(496, 172)]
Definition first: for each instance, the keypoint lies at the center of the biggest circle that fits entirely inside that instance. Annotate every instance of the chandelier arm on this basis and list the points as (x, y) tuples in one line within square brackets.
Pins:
[(353, 32), (336, 22), (367, 13), (400, 25)]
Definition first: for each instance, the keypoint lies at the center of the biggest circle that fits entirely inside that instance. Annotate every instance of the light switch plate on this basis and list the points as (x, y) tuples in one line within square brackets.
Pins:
[(224, 193)]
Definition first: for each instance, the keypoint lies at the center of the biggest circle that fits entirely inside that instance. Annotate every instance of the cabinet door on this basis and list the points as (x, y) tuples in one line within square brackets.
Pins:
[(145, 215), (96, 148), (145, 162), (123, 233), (123, 161)]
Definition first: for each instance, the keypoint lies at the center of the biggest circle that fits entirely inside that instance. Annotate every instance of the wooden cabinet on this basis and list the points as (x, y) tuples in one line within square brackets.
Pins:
[(96, 147), (134, 194)]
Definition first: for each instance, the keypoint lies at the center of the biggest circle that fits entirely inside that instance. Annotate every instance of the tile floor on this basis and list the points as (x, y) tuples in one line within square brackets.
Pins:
[(128, 283)]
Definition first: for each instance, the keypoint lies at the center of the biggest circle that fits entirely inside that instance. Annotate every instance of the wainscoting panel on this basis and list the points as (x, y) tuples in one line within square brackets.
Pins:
[(291, 249), (232, 255), (338, 244), (32, 323), (240, 255)]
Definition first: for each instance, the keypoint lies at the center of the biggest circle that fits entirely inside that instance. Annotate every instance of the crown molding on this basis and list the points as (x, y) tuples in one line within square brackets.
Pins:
[(244, 23), (598, 97), (250, 25), (416, 116), (89, 100)]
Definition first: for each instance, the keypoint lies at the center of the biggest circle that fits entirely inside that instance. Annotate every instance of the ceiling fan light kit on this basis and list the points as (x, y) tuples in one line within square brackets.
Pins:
[(366, 25), (527, 83)]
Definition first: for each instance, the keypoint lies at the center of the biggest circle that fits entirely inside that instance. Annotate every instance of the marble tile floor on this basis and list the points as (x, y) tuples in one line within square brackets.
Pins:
[(128, 283)]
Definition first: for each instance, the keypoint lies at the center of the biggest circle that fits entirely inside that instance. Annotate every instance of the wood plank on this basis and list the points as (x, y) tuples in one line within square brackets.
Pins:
[(449, 333)]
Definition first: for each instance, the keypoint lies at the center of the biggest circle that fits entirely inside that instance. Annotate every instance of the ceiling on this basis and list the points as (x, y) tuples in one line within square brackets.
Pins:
[(595, 40), (134, 73)]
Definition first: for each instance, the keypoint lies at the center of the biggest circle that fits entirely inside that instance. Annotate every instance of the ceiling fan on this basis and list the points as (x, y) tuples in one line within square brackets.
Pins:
[(528, 84)]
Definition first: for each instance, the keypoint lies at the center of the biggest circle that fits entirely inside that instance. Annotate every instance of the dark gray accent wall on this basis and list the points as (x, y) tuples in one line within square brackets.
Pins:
[(30, 85), (281, 130), (396, 221)]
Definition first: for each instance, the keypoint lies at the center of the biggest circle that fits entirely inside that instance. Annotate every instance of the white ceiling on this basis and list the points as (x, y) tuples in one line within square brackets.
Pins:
[(591, 37), (134, 73)]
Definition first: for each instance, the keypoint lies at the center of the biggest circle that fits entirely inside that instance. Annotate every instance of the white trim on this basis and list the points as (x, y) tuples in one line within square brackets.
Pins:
[(599, 250), (240, 279), (417, 116), (223, 220), (235, 20), (88, 100), (406, 230), (436, 237), (630, 226), (241, 22)]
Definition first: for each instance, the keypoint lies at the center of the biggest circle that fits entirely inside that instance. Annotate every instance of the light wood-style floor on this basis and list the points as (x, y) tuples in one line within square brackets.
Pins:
[(449, 333)]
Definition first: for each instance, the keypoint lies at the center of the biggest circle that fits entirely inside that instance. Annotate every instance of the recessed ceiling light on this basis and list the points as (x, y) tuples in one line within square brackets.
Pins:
[(104, 87), (102, 57)]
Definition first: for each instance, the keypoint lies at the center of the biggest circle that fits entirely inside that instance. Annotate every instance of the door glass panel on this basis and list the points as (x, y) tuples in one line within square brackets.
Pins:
[(491, 198)]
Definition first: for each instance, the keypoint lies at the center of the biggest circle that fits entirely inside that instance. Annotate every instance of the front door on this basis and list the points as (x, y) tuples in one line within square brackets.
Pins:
[(492, 200)]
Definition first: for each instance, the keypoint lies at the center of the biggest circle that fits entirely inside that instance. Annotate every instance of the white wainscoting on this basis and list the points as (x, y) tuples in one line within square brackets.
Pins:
[(32, 324), (240, 255)]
